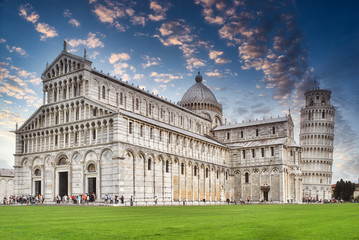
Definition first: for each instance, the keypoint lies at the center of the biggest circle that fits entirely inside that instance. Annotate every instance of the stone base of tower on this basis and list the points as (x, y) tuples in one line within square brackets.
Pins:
[(317, 192)]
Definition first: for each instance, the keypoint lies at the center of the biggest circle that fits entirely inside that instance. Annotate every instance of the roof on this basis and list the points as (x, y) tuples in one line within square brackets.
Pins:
[(265, 142), (258, 143), (253, 123), (169, 127), (198, 93), (6, 172)]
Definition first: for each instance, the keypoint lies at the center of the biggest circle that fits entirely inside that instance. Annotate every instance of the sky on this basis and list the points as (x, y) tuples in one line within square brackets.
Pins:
[(257, 57)]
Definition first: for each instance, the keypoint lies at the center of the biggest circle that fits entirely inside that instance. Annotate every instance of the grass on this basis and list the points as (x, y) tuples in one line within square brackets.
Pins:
[(330, 221)]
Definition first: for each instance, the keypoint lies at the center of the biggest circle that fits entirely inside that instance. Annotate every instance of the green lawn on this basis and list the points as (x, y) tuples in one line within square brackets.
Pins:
[(330, 221)]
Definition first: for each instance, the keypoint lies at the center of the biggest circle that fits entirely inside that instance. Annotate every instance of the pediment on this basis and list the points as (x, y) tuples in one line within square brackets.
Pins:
[(63, 64)]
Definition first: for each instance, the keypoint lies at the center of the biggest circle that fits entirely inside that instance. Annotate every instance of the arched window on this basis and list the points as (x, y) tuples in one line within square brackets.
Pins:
[(91, 168), (195, 171), (206, 172), (137, 104), (37, 172), (182, 168), (121, 98), (167, 166), (149, 164), (246, 176), (62, 161), (103, 92), (273, 130), (217, 173)]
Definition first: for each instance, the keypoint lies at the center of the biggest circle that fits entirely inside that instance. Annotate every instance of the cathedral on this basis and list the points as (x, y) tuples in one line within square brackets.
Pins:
[(98, 134)]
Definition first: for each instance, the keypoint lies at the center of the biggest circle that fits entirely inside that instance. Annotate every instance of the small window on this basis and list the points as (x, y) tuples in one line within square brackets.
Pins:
[(161, 113), (77, 114), (94, 134), (130, 127), (195, 170), (103, 92), (246, 176), (257, 132), (182, 168), (207, 172), (66, 138), (121, 98), (272, 151), (321, 180), (151, 133), (167, 166), (273, 130), (141, 131), (117, 99), (323, 114), (37, 172), (228, 135), (56, 140), (149, 164), (181, 118), (262, 150), (242, 134), (226, 175), (253, 153), (76, 137), (150, 109), (160, 135), (244, 154), (291, 153), (217, 174), (169, 137), (94, 112), (137, 104)]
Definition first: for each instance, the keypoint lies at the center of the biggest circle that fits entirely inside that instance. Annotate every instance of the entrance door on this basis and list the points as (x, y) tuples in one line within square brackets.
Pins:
[(63, 183), (37, 188), (91, 185), (265, 196)]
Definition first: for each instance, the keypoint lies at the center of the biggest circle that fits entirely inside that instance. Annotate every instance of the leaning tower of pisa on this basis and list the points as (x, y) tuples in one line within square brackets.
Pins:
[(316, 140)]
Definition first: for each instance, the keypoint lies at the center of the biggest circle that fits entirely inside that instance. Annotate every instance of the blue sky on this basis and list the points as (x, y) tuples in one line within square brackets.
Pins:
[(258, 57)]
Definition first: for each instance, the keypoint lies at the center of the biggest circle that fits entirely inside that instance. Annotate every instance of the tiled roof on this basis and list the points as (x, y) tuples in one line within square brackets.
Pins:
[(259, 143), (252, 123), (6, 172)]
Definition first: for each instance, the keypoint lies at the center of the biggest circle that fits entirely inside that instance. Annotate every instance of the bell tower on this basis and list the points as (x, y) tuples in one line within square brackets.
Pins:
[(316, 140)]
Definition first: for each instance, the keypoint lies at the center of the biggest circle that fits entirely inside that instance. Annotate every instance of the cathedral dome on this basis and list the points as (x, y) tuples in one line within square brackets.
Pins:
[(198, 93), (200, 97)]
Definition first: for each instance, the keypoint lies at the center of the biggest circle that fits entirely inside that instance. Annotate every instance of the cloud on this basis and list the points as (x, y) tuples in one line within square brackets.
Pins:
[(118, 57), (108, 15), (214, 54), (138, 20), (92, 41), (17, 50), (94, 55), (268, 40), (74, 22), (24, 11), (45, 29), (160, 11), (14, 83), (138, 76), (164, 77), (150, 61), (214, 73), (119, 68)]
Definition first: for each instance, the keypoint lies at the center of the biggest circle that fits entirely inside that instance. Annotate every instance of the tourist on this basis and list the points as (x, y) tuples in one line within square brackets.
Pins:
[(122, 199)]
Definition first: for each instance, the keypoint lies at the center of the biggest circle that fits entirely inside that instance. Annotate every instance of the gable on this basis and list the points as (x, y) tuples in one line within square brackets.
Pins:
[(64, 63)]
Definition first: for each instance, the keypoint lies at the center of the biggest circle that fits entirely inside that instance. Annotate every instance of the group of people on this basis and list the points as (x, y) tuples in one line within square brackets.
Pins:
[(114, 200), (24, 199), (76, 199)]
